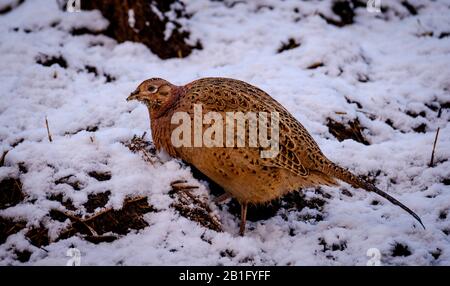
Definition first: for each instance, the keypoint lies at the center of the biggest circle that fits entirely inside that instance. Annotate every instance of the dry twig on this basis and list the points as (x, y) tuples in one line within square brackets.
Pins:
[(434, 147)]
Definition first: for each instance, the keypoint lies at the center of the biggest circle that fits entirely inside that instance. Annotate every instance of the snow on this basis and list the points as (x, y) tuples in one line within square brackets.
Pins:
[(407, 69)]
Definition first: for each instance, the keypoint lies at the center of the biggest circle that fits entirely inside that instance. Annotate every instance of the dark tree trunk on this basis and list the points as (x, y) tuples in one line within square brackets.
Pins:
[(149, 25)]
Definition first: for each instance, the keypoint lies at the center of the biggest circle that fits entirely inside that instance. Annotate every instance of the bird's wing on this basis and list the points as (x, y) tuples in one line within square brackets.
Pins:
[(225, 95)]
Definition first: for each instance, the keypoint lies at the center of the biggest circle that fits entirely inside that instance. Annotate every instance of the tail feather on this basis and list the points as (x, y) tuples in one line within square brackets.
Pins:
[(346, 176)]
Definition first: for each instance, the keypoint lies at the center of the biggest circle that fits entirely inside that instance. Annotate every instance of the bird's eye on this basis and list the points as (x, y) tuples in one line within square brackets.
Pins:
[(152, 89)]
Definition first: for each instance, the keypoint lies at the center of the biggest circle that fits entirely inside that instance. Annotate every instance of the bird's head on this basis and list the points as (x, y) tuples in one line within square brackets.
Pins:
[(156, 93)]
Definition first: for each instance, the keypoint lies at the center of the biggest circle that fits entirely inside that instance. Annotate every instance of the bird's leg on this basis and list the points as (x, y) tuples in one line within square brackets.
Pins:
[(222, 198), (243, 218)]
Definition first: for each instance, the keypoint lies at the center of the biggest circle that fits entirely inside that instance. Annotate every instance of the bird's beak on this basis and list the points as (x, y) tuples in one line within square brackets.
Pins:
[(133, 95)]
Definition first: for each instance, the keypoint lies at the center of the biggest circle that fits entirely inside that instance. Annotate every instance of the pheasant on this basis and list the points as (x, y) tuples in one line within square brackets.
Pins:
[(241, 171)]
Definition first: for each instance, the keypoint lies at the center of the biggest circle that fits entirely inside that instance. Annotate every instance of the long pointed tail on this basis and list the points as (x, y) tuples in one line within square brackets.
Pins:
[(346, 176)]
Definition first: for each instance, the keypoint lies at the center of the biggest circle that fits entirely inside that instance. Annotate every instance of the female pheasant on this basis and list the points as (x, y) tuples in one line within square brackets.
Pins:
[(241, 171)]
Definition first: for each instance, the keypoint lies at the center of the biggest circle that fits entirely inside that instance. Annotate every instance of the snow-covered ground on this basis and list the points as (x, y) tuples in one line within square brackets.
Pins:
[(394, 64)]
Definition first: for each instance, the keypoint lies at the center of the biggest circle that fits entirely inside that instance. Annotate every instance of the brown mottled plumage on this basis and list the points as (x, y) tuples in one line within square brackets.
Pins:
[(241, 171)]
